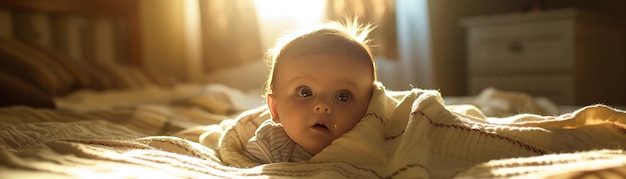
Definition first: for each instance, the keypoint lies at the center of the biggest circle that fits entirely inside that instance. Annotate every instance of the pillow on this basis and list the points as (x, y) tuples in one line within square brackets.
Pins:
[(220, 99), (132, 75), (97, 77), (117, 76), (81, 78), (19, 64), (17, 92), (214, 101), (65, 79), (114, 74), (125, 77), (158, 79), (138, 76)]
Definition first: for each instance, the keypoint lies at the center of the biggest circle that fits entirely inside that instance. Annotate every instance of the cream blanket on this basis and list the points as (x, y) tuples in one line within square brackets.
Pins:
[(413, 134), (408, 134)]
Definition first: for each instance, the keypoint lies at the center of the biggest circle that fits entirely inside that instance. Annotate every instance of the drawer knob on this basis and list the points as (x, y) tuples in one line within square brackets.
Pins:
[(516, 47)]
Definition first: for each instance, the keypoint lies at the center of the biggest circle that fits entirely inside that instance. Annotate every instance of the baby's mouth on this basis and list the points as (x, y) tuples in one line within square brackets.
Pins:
[(320, 126)]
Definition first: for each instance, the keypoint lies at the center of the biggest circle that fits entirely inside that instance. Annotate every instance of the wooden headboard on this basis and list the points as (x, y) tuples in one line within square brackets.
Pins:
[(126, 11), (50, 48)]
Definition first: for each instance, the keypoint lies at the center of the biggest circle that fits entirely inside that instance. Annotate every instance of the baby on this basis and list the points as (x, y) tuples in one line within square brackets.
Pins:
[(319, 88)]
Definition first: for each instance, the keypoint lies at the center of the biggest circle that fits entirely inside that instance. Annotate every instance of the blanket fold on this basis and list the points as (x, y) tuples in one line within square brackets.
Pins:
[(404, 134), (412, 133)]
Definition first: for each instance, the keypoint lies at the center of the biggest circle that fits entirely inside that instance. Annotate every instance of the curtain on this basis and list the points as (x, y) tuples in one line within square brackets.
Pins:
[(230, 33), (380, 13)]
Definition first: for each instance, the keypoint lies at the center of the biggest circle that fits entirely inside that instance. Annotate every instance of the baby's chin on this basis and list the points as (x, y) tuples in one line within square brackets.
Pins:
[(314, 150)]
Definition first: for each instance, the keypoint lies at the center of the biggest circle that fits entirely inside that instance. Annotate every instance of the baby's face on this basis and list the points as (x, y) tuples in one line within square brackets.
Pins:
[(318, 98)]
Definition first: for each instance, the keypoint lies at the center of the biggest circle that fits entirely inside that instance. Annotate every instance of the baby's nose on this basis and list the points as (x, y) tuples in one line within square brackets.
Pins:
[(322, 108)]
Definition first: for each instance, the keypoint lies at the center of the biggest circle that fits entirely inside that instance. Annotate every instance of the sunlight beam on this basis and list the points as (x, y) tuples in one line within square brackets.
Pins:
[(302, 11), (279, 16)]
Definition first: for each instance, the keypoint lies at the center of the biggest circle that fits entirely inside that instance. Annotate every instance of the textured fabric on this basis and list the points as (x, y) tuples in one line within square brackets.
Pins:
[(407, 134), (413, 134), (271, 144)]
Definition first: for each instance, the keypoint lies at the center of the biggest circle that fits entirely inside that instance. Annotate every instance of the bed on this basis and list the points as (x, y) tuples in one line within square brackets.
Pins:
[(63, 116)]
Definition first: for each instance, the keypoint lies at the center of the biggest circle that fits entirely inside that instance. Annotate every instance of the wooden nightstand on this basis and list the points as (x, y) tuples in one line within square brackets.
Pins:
[(570, 56)]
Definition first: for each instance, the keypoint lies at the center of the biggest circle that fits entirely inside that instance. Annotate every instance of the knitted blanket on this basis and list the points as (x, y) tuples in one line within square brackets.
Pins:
[(413, 134), (405, 134)]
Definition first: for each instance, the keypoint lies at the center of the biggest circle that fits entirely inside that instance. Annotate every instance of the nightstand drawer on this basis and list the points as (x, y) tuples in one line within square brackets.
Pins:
[(558, 88), (531, 46), (566, 55)]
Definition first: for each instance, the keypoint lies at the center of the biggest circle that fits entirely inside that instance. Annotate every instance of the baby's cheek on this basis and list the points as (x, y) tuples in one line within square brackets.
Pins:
[(350, 124)]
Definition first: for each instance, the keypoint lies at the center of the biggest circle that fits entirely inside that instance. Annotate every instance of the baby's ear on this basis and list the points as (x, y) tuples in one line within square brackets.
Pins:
[(271, 104)]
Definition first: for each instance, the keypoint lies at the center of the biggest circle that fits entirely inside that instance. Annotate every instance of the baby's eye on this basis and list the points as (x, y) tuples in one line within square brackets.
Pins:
[(304, 91), (343, 96)]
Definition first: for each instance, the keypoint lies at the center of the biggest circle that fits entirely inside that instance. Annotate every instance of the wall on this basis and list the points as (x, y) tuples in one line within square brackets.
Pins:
[(613, 8), (448, 39)]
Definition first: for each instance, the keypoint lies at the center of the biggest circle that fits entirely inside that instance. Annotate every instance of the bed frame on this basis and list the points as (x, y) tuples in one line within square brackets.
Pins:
[(50, 48), (126, 11)]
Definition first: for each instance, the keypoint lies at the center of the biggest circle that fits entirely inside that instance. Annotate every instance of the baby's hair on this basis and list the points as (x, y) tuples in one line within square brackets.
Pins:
[(331, 38)]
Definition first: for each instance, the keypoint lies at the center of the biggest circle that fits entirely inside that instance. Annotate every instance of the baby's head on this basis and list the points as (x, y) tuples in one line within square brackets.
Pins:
[(320, 83)]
